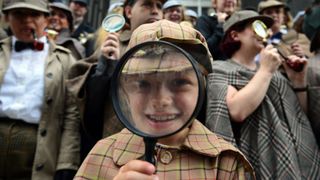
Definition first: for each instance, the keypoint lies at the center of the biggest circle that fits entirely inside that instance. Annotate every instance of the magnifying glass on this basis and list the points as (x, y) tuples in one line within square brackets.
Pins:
[(157, 90), (113, 23), (261, 31)]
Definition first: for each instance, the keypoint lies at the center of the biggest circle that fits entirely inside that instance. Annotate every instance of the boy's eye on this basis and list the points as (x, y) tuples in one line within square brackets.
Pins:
[(143, 84), (180, 84)]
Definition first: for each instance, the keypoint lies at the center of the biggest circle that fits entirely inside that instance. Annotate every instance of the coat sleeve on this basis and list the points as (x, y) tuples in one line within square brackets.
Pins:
[(213, 33), (69, 152), (314, 96)]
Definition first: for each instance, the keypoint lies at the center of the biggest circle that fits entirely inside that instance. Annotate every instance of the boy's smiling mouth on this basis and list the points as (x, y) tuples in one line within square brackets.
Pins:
[(162, 118)]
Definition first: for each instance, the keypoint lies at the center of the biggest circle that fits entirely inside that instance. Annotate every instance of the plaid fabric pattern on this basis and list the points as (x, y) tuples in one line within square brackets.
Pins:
[(277, 138), (202, 156), (314, 94), (187, 37), (18, 141)]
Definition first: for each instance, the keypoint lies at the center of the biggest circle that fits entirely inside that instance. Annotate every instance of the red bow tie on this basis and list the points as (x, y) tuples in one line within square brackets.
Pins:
[(36, 45)]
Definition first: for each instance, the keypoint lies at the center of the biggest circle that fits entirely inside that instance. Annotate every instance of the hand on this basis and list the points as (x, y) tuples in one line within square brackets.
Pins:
[(110, 48), (297, 50), (298, 78), (221, 17), (269, 59), (137, 169)]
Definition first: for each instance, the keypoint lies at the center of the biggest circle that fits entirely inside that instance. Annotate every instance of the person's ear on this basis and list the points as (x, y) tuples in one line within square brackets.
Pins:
[(127, 11), (234, 35)]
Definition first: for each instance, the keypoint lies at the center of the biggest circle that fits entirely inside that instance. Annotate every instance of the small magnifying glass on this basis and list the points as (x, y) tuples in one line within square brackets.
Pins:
[(113, 23), (157, 90), (261, 31)]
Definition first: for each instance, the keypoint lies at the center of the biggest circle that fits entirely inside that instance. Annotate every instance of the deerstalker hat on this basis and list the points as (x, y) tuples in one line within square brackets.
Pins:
[(37, 5), (185, 37)]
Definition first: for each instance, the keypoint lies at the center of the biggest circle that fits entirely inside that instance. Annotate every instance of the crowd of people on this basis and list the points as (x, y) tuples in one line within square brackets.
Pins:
[(258, 117)]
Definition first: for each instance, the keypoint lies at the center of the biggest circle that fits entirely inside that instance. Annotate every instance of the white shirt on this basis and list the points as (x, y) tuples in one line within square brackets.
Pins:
[(22, 90)]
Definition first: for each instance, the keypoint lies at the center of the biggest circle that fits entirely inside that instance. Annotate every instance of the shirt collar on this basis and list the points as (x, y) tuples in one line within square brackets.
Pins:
[(200, 140)]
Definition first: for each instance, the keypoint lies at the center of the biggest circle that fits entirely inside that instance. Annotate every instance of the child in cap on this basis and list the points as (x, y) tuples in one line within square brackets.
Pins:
[(192, 153)]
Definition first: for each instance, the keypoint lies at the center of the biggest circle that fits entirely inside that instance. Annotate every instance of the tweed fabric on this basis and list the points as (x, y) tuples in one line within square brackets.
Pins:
[(202, 156), (18, 141), (277, 138), (186, 37)]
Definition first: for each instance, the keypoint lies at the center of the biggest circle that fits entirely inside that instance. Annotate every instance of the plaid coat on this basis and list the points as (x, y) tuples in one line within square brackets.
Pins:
[(314, 94), (202, 156), (277, 138)]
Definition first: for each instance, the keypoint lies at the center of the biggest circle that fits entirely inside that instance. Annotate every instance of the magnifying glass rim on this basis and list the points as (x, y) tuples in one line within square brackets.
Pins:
[(115, 83), (110, 16), (263, 25)]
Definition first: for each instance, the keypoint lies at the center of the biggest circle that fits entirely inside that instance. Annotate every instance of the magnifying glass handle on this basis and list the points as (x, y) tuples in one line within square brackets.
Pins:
[(298, 67), (150, 144)]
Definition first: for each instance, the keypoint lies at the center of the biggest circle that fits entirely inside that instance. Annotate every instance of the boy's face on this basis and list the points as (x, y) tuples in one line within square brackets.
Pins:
[(144, 11), (23, 21), (162, 102)]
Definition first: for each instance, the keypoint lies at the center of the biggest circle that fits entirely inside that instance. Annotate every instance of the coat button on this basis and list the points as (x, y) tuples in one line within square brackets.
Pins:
[(39, 167), (165, 157), (49, 100), (49, 75), (43, 132)]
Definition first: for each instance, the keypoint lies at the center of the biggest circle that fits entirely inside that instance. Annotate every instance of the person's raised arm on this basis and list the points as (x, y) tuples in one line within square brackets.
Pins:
[(241, 103)]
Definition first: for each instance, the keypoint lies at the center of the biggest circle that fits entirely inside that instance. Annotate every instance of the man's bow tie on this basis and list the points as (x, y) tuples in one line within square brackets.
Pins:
[(36, 45)]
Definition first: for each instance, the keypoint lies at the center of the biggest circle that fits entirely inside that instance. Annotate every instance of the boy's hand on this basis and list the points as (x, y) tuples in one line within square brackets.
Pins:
[(137, 169)]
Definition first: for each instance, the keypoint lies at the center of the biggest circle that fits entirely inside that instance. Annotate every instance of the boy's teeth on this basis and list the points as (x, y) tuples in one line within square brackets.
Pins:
[(162, 118)]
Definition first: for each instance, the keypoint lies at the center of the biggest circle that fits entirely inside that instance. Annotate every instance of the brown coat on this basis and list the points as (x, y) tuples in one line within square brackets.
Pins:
[(58, 137), (78, 78)]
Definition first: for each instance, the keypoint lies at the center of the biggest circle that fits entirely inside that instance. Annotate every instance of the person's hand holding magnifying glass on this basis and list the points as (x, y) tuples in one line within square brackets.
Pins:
[(110, 48), (260, 30)]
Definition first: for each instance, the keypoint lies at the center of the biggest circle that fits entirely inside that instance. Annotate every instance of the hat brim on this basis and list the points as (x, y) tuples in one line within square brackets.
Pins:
[(273, 6), (25, 6), (60, 6), (268, 21)]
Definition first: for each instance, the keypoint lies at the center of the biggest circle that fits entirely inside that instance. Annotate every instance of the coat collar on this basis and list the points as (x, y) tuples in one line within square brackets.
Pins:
[(199, 140)]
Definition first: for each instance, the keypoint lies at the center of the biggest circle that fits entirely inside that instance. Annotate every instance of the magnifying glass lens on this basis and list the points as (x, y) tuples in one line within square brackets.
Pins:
[(158, 90), (260, 29), (113, 23)]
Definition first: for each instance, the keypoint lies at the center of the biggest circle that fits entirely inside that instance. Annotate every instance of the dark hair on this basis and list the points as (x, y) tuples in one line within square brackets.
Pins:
[(228, 45), (127, 3)]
